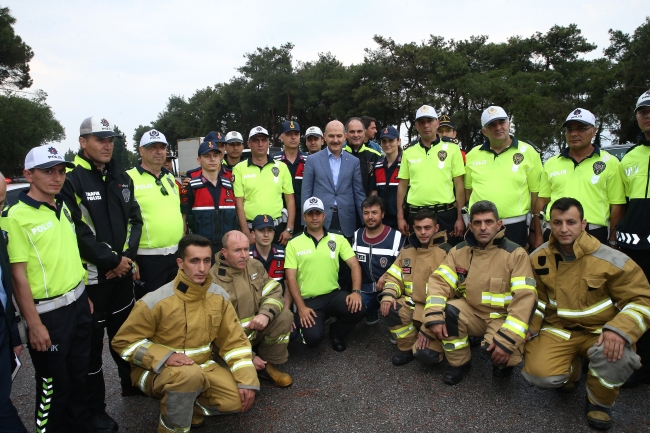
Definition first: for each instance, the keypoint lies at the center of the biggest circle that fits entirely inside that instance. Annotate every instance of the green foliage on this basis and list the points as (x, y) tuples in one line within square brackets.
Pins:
[(14, 54), (538, 80), (121, 152), (25, 123)]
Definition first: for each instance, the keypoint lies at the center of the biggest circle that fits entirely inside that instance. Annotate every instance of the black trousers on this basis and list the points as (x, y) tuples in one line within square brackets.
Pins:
[(155, 272), (345, 274), (60, 371), (642, 258), (518, 233), (329, 305), (112, 301), (9, 420)]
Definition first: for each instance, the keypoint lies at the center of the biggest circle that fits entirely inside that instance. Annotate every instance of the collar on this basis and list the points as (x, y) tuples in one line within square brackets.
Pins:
[(348, 147), (584, 244), (398, 160), (141, 170), (81, 160), (433, 143), (436, 239), (642, 140), (325, 234), (269, 160), (58, 200), (188, 290), (565, 154), (331, 155), (301, 156), (487, 148), (495, 242)]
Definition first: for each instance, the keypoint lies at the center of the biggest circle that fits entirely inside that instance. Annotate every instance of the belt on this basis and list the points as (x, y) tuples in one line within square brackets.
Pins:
[(513, 220), (594, 226), (157, 251), (60, 301), (434, 208), (276, 222)]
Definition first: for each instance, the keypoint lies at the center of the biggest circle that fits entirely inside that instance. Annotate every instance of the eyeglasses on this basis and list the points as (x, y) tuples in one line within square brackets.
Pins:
[(163, 191), (584, 128)]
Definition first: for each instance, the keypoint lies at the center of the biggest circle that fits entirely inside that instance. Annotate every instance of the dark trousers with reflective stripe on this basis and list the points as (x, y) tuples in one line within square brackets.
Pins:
[(9, 420), (155, 272), (60, 371), (329, 305), (112, 301), (642, 258)]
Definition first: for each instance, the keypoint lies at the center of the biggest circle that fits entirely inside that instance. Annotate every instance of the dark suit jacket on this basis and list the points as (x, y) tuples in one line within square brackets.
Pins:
[(8, 315), (318, 182)]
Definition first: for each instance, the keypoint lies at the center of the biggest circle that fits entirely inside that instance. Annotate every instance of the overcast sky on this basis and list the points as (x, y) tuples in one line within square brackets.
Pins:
[(123, 59)]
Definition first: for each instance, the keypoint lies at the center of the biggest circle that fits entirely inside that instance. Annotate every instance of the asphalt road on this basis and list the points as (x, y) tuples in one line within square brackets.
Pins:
[(360, 390)]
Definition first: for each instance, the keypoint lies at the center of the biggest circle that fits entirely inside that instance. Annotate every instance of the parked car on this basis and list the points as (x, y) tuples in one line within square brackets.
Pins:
[(618, 150), (13, 190)]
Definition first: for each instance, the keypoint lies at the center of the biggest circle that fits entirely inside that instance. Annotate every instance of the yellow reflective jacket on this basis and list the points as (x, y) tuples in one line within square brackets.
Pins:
[(601, 289), (496, 281), (183, 317), (409, 274), (251, 290)]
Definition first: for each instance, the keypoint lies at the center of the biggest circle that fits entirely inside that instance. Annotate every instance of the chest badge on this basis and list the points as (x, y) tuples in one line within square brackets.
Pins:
[(599, 167), (126, 194), (383, 262), (517, 159), (442, 156), (276, 173), (332, 247), (407, 262), (171, 183)]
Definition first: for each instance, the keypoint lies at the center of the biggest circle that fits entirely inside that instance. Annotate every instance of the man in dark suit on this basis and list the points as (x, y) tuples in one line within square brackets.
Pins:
[(334, 177), (9, 339)]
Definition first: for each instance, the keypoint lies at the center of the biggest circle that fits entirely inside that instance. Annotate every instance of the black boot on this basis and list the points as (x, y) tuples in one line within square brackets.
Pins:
[(428, 356), (102, 423), (402, 357), (453, 375), (337, 342), (501, 371), (598, 417)]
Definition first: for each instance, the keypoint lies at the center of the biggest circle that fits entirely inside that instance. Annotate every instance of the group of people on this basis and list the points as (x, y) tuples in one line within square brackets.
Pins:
[(201, 284)]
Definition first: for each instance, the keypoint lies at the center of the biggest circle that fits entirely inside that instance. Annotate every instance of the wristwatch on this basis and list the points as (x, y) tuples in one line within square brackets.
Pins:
[(358, 292), (289, 230), (612, 243)]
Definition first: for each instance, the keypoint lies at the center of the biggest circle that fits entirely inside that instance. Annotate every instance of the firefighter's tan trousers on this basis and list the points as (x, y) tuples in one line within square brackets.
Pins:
[(208, 390), (552, 362), (405, 329), (462, 322), (274, 339)]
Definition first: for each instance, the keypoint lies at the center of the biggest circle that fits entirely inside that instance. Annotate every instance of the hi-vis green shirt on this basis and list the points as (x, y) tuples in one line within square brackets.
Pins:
[(430, 172), (317, 262), (633, 231), (595, 181), (162, 222), (262, 188), (506, 179), (44, 238)]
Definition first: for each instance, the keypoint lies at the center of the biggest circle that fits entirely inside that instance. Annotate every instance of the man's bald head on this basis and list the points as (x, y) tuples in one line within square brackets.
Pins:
[(335, 136), (235, 249), (334, 124)]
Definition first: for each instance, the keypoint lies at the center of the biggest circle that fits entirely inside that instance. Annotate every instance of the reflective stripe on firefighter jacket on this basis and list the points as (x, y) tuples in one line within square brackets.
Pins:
[(409, 274), (376, 258), (602, 289), (274, 265), (497, 282), (186, 318), (200, 200), (265, 298)]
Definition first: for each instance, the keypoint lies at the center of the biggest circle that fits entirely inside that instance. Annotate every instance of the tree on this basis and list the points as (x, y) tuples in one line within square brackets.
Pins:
[(69, 155), (14, 54), (24, 124)]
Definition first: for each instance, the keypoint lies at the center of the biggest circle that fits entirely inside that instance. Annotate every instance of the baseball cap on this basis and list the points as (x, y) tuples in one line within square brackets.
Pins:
[(215, 137), (234, 137), (643, 101), (97, 126), (45, 156), (491, 114), (258, 130), (313, 130), (389, 132), (446, 121), (426, 111), (207, 146), (151, 137), (581, 115), (313, 203), (290, 125), (262, 221)]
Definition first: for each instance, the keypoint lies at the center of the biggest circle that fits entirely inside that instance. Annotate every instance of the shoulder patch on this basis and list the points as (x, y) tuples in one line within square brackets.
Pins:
[(539, 248), (164, 292), (611, 255), (462, 244), (218, 290), (445, 246), (450, 140), (508, 245)]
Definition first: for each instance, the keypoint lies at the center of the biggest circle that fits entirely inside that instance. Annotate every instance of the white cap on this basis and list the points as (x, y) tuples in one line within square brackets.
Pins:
[(313, 203), (313, 130), (581, 115), (426, 111), (151, 137), (491, 114), (45, 156), (643, 101), (234, 137), (257, 131), (97, 126)]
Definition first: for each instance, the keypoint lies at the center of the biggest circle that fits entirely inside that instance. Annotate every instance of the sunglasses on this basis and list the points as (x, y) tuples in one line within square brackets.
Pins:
[(163, 191)]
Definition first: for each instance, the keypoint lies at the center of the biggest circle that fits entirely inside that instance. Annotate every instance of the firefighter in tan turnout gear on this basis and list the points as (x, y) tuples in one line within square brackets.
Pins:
[(169, 338), (404, 295), (258, 300), (594, 302), (496, 289)]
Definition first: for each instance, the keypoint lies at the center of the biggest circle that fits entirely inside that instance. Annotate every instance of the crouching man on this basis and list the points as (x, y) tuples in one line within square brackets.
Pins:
[(593, 302), (169, 338), (258, 300)]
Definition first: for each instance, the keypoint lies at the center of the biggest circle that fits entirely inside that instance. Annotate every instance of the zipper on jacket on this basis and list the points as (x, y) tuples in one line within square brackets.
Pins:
[(185, 314), (647, 179)]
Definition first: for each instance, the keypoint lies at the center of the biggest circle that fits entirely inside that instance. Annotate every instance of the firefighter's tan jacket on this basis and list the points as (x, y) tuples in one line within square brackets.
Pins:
[(184, 317), (409, 274), (251, 290), (601, 289), (497, 282)]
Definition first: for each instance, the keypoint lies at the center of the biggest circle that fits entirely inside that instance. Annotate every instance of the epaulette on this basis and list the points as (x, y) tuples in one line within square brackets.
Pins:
[(462, 244), (450, 140), (508, 245), (445, 247)]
